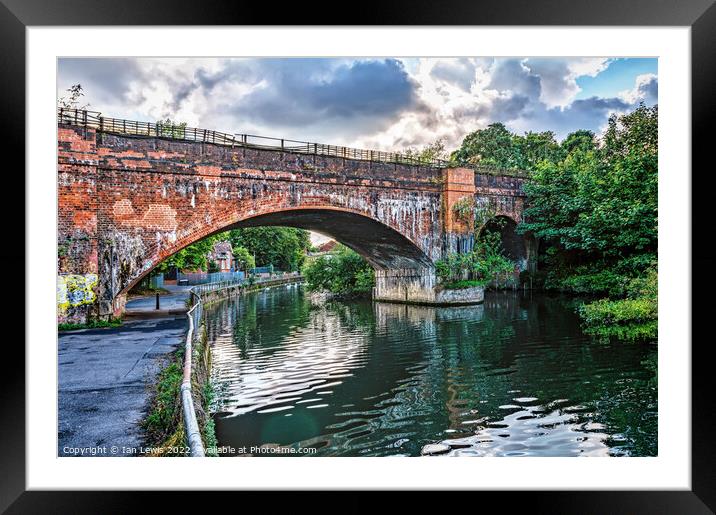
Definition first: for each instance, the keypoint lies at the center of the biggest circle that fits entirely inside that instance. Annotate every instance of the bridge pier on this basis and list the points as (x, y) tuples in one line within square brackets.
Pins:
[(420, 286), (405, 285)]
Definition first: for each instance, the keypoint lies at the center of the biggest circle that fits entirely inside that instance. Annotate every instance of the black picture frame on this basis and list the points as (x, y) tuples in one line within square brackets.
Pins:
[(700, 15)]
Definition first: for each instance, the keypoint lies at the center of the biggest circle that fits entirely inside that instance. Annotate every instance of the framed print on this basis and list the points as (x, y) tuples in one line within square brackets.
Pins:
[(457, 238)]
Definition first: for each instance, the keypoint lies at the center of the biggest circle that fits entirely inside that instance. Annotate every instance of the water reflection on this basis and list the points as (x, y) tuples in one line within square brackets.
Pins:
[(534, 431), (514, 376)]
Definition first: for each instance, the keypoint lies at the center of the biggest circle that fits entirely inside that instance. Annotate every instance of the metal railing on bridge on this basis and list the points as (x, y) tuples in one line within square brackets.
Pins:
[(95, 120)]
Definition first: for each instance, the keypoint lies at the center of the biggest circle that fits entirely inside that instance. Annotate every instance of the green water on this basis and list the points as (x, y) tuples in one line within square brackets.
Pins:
[(512, 377)]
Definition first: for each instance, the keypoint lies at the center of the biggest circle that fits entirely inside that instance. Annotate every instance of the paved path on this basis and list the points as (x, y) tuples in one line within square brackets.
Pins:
[(105, 377), (171, 303)]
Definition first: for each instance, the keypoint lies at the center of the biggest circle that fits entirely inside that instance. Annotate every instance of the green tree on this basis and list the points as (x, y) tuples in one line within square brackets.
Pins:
[(283, 247), (601, 203), (244, 259), (633, 133), (343, 273), (497, 146), (491, 146), (582, 140), (533, 148), (191, 257), (429, 153)]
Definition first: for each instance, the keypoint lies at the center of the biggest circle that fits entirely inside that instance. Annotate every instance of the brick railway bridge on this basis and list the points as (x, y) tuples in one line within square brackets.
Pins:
[(131, 194)]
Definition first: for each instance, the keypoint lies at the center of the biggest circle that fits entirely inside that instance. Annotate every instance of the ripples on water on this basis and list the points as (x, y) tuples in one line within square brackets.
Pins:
[(512, 377)]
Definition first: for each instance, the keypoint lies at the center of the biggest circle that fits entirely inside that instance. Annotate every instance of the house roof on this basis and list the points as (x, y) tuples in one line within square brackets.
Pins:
[(327, 247), (221, 248)]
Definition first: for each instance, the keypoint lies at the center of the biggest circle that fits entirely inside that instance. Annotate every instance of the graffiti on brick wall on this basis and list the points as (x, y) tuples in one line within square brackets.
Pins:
[(76, 290)]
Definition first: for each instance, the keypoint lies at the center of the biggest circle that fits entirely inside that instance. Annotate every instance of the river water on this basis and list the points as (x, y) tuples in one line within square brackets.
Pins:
[(514, 376)]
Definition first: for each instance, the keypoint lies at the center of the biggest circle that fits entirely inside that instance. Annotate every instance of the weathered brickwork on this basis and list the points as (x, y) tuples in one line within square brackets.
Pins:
[(504, 194), (126, 203)]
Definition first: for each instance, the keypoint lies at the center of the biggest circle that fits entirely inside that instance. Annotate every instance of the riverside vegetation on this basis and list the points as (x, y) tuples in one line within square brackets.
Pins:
[(592, 203), (485, 264), (343, 273)]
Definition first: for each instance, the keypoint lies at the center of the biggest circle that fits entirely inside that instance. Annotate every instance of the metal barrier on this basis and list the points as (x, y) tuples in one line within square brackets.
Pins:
[(195, 313), (95, 120), (195, 278), (201, 289), (264, 270), (191, 426)]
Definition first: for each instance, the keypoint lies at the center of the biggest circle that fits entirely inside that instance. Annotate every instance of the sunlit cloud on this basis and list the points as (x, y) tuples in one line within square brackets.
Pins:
[(380, 103)]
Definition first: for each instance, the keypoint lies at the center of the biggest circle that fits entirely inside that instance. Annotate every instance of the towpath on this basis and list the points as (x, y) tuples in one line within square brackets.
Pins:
[(105, 376)]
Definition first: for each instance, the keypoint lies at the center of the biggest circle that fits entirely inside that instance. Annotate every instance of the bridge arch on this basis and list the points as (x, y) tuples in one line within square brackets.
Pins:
[(515, 245), (382, 246)]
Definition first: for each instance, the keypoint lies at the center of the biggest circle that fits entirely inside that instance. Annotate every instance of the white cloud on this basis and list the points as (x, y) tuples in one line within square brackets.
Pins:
[(375, 103), (645, 89), (558, 77)]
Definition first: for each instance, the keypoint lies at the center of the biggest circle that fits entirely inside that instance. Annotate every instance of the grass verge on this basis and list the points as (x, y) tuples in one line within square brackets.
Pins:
[(164, 424), (93, 324)]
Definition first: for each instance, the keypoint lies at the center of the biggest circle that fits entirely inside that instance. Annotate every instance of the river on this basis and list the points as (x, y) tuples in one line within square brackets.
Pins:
[(514, 376)]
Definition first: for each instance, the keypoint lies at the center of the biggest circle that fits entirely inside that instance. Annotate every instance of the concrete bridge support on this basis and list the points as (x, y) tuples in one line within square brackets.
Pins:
[(413, 285)]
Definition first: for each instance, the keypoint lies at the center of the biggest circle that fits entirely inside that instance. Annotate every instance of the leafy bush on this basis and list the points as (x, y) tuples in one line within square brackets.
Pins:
[(602, 278), (485, 263), (646, 286), (618, 312), (461, 285), (633, 317), (602, 282), (343, 273)]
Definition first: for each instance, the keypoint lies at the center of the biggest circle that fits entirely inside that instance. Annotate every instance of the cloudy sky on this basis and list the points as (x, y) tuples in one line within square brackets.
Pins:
[(378, 103)]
